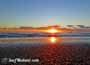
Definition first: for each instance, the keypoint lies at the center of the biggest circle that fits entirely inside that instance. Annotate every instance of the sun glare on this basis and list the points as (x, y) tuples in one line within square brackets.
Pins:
[(52, 31)]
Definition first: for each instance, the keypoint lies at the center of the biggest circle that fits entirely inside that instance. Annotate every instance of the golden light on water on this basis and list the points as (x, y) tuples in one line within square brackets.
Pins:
[(53, 39)]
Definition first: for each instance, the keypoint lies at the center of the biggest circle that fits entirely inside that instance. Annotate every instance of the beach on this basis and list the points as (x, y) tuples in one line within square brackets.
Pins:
[(64, 52)]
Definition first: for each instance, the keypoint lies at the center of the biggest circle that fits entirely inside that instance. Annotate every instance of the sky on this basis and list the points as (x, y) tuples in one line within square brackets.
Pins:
[(44, 12)]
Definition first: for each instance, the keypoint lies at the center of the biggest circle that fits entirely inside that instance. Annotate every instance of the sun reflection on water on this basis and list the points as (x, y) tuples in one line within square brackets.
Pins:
[(53, 39)]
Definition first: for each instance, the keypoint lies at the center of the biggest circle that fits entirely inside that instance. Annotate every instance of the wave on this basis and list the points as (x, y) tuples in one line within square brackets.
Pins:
[(21, 34)]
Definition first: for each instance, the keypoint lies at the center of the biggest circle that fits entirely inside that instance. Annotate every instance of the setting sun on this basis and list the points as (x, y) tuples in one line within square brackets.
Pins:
[(52, 31)]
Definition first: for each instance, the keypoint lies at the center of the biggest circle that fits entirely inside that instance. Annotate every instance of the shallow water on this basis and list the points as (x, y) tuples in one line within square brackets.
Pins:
[(43, 40)]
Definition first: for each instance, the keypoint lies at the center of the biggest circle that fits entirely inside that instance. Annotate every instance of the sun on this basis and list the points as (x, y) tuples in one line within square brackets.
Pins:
[(52, 30)]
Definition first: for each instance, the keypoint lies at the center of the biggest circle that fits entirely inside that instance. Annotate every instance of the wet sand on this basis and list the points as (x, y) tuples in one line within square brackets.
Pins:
[(57, 54)]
